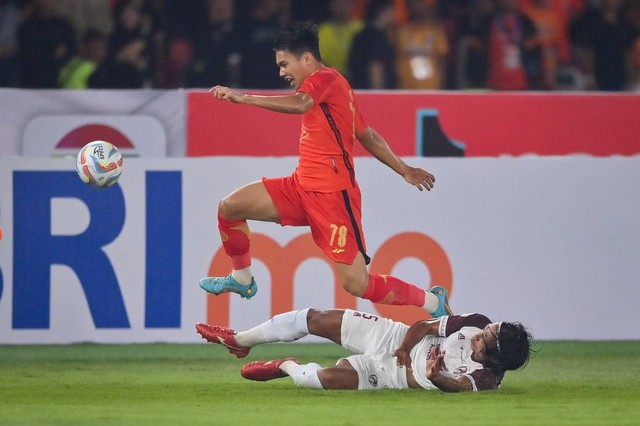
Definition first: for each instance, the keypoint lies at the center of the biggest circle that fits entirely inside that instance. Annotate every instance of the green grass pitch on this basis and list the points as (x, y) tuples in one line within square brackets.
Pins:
[(566, 383)]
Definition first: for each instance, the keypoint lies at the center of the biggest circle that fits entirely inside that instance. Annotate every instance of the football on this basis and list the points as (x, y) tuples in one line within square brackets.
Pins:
[(99, 164)]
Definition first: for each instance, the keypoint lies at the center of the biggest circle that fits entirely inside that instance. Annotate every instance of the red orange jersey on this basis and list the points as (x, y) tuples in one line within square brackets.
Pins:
[(328, 133)]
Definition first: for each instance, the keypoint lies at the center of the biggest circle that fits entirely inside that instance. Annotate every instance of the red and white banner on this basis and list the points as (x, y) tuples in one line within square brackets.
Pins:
[(178, 123), (486, 124), (61, 135)]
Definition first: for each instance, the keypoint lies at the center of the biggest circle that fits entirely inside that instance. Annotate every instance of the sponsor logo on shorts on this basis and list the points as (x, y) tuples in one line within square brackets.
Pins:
[(373, 380), (337, 251)]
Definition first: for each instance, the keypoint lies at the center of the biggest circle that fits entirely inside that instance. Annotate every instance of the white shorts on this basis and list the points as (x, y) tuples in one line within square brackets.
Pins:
[(374, 339)]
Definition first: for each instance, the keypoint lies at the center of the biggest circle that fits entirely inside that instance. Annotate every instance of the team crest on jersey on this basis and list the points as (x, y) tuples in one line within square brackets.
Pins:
[(373, 380), (432, 347), (460, 370)]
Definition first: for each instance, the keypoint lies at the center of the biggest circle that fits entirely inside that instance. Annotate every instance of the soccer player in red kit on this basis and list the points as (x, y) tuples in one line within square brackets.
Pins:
[(322, 192)]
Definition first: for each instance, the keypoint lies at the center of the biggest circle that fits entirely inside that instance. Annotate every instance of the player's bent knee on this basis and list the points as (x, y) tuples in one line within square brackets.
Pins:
[(354, 286), (313, 318), (231, 208), (354, 278), (225, 208), (325, 323)]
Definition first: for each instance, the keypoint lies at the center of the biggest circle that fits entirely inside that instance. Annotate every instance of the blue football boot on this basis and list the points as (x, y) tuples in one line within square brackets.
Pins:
[(443, 302), (219, 285)]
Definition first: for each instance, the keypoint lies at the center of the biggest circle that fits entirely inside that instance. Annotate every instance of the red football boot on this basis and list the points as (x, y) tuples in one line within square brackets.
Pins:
[(265, 370), (223, 336)]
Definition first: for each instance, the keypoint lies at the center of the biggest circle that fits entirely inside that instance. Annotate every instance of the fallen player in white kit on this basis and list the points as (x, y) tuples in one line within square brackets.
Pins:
[(451, 353)]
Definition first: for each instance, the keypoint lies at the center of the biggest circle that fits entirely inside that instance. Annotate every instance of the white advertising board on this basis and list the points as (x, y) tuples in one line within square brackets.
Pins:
[(43, 123), (551, 242)]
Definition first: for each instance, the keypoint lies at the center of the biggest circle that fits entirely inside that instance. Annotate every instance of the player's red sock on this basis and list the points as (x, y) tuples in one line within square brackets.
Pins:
[(390, 290), (235, 235)]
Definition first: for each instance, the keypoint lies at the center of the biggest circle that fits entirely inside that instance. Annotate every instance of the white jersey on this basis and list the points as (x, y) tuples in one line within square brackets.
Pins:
[(454, 339), (375, 338)]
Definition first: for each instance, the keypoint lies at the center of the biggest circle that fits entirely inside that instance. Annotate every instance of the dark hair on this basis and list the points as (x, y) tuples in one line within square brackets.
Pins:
[(375, 8), (299, 38), (92, 34), (513, 349)]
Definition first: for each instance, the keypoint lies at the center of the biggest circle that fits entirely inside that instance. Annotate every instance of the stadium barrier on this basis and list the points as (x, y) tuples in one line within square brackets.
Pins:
[(178, 123), (549, 241)]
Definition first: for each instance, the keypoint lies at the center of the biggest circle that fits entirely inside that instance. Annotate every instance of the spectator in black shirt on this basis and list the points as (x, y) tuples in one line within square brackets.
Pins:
[(259, 69), (9, 24), (45, 43), (372, 57), (217, 48), (132, 49), (608, 36)]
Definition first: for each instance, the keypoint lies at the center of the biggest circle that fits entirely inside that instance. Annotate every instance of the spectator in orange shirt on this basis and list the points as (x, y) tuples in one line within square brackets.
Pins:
[(514, 55), (552, 39), (421, 47)]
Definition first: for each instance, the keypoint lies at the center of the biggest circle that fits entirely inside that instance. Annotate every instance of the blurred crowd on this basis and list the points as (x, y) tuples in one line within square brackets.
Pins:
[(376, 44)]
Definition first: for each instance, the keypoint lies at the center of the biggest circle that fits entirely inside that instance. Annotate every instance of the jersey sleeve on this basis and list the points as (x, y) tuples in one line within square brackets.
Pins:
[(361, 124), (453, 323), (316, 85)]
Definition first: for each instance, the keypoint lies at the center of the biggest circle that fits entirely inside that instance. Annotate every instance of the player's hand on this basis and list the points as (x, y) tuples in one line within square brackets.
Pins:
[(225, 94), (419, 178), (435, 362), (402, 358)]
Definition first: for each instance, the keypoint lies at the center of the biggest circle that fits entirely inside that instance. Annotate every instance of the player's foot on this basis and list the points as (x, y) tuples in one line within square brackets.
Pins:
[(265, 370), (219, 285), (443, 302), (223, 336)]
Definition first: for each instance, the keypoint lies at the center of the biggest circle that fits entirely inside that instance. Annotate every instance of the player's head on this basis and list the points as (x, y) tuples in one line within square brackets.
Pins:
[(380, 8), (512, 348), (297, 52), (298, 38)]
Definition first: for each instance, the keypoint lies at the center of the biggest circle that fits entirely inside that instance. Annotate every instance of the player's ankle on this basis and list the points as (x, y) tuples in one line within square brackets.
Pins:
[(242, 276), (430, 302)]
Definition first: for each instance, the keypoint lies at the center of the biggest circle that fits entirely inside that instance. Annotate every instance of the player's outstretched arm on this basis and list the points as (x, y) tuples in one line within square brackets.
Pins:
[(373, 142), (444, 382), (298, 103)]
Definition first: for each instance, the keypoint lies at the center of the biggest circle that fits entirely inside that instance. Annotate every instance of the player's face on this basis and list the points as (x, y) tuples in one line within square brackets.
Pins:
[(292, 68), (486, 339)]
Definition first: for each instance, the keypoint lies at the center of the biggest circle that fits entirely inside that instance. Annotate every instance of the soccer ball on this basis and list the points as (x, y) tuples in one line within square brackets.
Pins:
[(99, 164)]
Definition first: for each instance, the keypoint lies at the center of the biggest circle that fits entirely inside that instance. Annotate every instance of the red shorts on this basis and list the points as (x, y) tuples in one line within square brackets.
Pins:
[(335, 218)]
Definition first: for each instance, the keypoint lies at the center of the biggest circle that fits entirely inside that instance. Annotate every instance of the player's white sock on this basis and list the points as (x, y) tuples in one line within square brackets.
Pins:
[(305, 375), (285, 327), (430, 302), (242, 276)]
